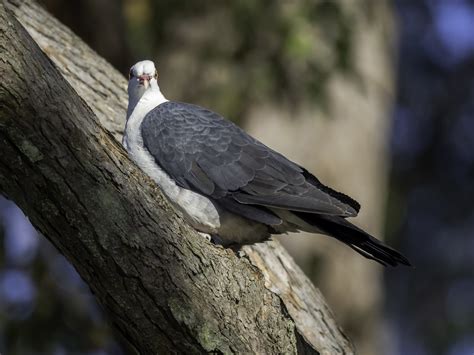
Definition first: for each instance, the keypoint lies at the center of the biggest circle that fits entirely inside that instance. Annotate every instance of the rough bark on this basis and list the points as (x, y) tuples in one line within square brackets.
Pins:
[(163, 286)]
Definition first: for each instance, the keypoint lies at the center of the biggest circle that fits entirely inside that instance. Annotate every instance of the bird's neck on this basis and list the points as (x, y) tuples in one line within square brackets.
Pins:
[(137, 110), (145, 102)]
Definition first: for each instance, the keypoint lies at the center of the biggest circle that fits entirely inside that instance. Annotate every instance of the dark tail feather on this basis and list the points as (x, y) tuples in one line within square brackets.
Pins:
[(356, 238)]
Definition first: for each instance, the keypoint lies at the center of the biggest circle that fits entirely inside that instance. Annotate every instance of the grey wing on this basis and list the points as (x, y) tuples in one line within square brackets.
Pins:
[(203, 152)]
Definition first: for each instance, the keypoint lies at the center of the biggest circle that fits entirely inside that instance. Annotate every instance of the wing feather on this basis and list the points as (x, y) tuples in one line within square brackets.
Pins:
[(201, 150)]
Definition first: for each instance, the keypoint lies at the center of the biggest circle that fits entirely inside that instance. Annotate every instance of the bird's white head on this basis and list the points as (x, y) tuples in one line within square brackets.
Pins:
[(143, 79)]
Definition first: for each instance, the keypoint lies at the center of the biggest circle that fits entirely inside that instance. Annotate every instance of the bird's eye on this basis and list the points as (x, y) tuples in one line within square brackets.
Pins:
[(156, 75), (130, 74)]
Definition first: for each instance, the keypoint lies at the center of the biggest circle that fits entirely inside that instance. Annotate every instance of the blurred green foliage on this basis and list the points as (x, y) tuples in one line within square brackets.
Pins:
[(231, 55)]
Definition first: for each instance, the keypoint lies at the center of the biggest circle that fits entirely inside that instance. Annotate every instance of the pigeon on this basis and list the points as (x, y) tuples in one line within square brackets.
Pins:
[(227, 184)]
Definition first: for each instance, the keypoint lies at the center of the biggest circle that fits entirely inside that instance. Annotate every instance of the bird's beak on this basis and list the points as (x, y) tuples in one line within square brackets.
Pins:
[(144, 80)]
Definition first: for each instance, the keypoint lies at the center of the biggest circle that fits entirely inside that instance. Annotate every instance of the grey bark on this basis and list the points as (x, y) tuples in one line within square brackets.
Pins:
[(164, 287)]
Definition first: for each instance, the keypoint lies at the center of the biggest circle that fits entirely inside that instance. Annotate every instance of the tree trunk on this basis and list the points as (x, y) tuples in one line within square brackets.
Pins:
[(163, 286)]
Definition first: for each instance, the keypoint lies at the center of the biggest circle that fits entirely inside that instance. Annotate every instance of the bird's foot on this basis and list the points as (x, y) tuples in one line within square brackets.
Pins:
[(215, 239), (219, 242), (206, 236)]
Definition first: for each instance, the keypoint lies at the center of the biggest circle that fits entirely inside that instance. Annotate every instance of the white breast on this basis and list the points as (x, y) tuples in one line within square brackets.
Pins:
[(197, 209)]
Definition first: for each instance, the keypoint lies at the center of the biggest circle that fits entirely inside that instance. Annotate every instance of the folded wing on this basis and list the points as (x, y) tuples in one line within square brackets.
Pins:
[(203, 152)]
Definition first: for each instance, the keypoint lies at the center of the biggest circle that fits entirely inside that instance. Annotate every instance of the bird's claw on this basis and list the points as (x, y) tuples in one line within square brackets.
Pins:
[(206, 236)]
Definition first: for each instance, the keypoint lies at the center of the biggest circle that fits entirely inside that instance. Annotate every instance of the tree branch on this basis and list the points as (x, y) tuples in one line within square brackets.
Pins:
[(163, 286)]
